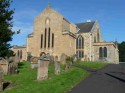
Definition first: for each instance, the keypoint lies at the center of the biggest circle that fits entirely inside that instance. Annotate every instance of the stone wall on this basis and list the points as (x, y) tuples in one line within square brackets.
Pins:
[(20, 53), (112, 52)]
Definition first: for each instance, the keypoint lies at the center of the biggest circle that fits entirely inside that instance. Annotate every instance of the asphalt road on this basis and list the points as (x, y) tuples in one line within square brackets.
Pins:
[(111, 79)]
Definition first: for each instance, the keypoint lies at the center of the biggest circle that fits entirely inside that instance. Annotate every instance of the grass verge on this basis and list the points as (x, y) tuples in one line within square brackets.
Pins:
[(25, 81), (93, 65)]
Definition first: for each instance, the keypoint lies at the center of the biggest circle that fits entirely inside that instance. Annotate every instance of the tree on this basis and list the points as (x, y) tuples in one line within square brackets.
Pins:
[(121, 47), (6, 25)]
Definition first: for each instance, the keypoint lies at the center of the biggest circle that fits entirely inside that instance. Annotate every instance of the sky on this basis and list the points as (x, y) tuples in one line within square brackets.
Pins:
[(109, 13)]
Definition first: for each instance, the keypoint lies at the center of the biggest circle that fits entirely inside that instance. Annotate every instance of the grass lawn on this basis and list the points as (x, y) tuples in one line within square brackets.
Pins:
[(94, 65), (25, 81)]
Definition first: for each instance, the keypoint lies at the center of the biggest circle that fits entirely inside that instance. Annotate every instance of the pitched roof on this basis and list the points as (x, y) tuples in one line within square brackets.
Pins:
[(85, 27)]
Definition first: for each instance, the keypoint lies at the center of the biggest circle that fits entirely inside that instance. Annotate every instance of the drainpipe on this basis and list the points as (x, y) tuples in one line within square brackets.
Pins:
[(90, 46)]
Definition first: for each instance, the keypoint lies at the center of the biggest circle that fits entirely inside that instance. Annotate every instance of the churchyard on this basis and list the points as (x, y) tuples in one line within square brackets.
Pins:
[(46, 77)]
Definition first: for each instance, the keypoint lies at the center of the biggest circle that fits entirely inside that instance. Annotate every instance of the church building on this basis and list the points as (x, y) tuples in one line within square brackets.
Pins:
[(56, 36)]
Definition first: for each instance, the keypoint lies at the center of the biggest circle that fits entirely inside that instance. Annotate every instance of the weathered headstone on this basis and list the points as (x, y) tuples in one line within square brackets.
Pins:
[(43, 63), (74, 58), (57, 66), (67, 64), (12, 68), (4, 64), (34, 62), (63, 58), (51, 58), (1, 79)]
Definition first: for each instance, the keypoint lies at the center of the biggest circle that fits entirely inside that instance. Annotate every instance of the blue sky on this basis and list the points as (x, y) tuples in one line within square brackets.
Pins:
[(109, 13)]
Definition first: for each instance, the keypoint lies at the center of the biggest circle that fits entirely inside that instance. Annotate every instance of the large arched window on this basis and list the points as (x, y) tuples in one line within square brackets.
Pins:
[(45, 38), (52, 40), (80, 42), (100, 52), (105, 52), (80, 46), (49, 38), (41, 40)]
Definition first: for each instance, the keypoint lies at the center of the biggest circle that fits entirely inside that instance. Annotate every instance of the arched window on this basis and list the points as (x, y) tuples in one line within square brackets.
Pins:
[(45, 38), (105, 52), (80, 42), (100, 52), (80, 46), (49, 38), (52, 40), (41, 40)]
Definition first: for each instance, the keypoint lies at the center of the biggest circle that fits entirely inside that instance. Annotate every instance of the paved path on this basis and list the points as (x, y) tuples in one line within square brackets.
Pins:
[(108, 80)]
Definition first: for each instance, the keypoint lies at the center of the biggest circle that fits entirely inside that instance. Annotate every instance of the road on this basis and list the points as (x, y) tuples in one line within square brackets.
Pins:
[(111, 79)]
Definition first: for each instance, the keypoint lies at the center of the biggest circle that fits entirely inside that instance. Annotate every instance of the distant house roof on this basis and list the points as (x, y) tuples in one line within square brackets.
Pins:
[(85, 27), (15, 47)]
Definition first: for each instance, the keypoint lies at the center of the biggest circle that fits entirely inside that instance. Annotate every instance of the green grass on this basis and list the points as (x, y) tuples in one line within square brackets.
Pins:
[(94, 65), (25, 81)]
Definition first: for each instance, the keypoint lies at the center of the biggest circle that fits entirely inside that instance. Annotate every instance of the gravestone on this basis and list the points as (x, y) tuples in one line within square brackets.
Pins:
[(57, 66), (1, 78), (68, 64), (43, 63), (63, 58), (12, 68), (34, 62), (74, 58), (51, 60), (4, 64)]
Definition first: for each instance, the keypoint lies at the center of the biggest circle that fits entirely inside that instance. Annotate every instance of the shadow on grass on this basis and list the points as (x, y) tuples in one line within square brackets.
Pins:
[(20, 65), (6, 85)]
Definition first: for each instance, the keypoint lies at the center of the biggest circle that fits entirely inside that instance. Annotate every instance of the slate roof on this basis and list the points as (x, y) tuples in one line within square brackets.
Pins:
[(85, 27)]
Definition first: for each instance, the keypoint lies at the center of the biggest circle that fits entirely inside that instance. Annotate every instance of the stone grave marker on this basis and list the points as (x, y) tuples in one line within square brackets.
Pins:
[(63, 58), (34, 62), (1, 78), (4, 64), (57, 66), (43, 64), (74, 58)]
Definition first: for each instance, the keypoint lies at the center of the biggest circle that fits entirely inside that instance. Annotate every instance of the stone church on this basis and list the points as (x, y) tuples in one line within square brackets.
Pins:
[(56, 36)]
